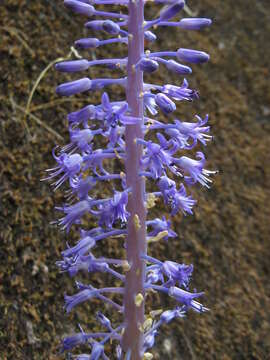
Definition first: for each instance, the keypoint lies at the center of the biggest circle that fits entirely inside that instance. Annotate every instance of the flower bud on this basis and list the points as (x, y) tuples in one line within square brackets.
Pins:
[(194, 23), (74, 87), (178, 68), (80, 7), (149, 36), (94, 25), (148, 65), (192, 56), (87, 43), (111, 27), (170, 11), (165, 103), (72, 66)]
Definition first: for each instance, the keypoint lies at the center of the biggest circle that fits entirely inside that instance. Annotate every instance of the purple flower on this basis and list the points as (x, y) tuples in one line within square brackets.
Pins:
[(155, 158), (68, 167), (83, 246), (82, 115), (166, 183), (82, 296), (159, 225), (195, 168), (183, 131), (186, 298), (112, 114), (74, 213), (168, 315), (114, 209), (180, 92), (94, 161), (79, 262), (70, 342), (175, 272), (179, 201), (82, 139), (81, 186)]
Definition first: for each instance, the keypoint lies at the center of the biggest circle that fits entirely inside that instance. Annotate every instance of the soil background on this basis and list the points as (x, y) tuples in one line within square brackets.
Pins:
[(227, 239)]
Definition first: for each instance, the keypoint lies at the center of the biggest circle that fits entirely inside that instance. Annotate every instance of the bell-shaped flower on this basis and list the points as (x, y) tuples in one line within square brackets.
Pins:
[(177, 273), (187, 298), (156, 159), (82, 115), (82, 247), (68, 166), (159, 225), (195, 131), (81, 186), (180, 93), (114, 209), (74, 213), (82, 296), (179, 201), (195, 169)]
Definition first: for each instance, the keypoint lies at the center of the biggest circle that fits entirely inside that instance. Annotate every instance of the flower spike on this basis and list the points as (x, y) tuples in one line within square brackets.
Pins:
[(116, 132)]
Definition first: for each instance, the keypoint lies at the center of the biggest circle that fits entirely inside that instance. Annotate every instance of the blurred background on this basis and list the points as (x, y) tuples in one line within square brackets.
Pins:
[(227, 239)]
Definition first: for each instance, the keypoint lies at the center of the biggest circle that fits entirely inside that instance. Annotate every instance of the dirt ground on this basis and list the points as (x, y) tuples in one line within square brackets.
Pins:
[(227, 239)]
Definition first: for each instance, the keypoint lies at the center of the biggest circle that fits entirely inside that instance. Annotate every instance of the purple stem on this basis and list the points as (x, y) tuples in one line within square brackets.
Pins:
[(136, 238)]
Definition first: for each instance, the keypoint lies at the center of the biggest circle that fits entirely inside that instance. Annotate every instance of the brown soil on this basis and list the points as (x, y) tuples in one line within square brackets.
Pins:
[(227, 239)]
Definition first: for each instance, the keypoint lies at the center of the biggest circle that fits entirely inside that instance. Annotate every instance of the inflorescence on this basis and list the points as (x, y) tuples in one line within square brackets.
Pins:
[(83, 166)]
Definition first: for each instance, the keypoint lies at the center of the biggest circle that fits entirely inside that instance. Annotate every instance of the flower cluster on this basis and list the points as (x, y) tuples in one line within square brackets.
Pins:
[(131, 132)]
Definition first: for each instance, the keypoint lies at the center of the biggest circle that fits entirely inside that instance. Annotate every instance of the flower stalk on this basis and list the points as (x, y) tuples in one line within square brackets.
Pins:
[(136, 236)]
